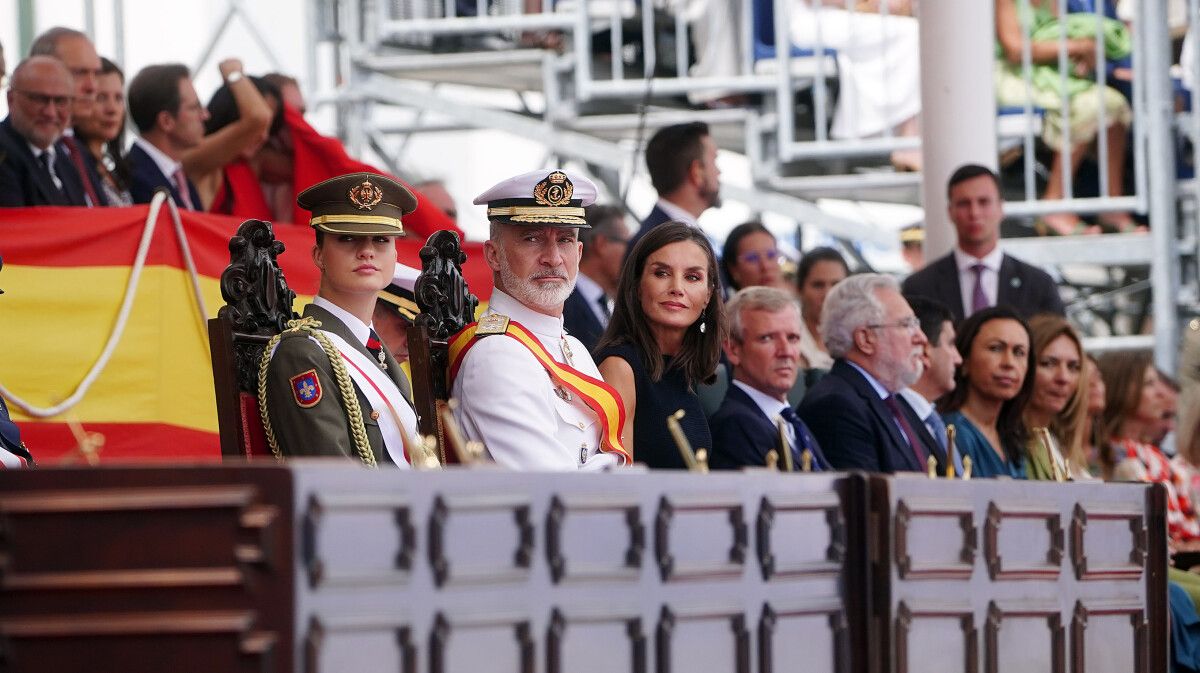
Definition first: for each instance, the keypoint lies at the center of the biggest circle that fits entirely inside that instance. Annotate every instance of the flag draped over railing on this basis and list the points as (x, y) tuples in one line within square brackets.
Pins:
[(65, 273)]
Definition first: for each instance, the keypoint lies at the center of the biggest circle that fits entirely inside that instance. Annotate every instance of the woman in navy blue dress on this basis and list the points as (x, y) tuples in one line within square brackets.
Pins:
[(663, 340)]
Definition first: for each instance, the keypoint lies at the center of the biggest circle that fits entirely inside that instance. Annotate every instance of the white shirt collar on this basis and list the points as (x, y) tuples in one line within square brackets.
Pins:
[(37, 151), (770, 406), (879, 389), (360, 330), (991, 260), (676, 213), (538, 323), (589, 288), (917, 401), (166, 164)]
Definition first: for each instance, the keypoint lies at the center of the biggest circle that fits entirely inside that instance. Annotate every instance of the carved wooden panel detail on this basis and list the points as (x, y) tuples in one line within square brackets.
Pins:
[(1024, 518), (600, 516), (707, 511), (600, 652), (955, 518), (357, 509), (809, 642), (1127, 519), (499, 565), (1084, 649), (910, 615), (721, 641), (322, 645), (1053, 660), (794, 507), (480, 643)]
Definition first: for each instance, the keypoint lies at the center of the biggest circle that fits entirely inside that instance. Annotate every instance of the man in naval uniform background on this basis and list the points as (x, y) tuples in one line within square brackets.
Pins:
[(357, 220), (530, 413)]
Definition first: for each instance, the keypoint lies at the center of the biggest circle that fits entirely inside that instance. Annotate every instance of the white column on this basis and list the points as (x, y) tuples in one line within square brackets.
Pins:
[(958, 104)]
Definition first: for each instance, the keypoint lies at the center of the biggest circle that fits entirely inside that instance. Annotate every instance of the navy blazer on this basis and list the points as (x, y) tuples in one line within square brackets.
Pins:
[(24, 183), (148, 178), (1024, 287), (581, 321), (856, 430), (742, 434)]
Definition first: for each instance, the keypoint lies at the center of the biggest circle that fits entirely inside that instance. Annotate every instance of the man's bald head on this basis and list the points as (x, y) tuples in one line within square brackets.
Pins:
[(39, 99)]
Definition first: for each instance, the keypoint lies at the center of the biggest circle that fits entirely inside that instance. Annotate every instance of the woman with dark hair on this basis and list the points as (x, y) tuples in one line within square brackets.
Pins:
[(992, 387), (664, 338), (1058, 405), (241, 131), (820, 269), (104, 134), (750, 257), (1095, 443)]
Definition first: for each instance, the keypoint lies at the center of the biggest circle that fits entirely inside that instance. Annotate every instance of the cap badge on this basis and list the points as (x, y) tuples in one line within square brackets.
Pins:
[(365, 195), (554, 190)]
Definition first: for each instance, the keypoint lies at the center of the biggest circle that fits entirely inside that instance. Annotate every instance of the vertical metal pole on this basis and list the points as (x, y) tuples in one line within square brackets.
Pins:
[(89, 19), (958, 116), (1160, 160), (119, 31), (26, 20)]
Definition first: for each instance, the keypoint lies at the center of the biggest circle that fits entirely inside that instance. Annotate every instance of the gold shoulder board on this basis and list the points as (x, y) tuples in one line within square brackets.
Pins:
[(493, 323)]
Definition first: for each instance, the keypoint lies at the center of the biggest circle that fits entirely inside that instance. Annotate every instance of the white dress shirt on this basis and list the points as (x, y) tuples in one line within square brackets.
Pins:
[(770, 407), (508, 402), (676, 213), (990, 276), (166, 164)]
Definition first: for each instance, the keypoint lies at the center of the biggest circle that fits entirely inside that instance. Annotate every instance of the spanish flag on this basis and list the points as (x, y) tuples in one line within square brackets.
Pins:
[(137, 383)]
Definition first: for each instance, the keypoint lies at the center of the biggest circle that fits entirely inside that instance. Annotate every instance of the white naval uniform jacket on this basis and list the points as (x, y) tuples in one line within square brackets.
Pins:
[(508, 402)]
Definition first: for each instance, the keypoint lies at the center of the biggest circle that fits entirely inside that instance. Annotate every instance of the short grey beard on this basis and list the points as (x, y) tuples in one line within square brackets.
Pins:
[(529, 293)]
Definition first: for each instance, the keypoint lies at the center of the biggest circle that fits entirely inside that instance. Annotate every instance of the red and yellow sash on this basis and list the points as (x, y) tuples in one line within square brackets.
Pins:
[(595, 393)]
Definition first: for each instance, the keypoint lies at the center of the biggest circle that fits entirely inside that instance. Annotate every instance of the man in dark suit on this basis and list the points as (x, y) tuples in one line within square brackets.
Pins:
[(586, 311), (764, 348), (940, 359), (34, 168), (877, 346), (976, 274), (170, 119), (682, 163)]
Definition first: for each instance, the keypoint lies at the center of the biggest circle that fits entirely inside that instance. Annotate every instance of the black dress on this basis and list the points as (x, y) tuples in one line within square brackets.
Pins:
[(652, 441)]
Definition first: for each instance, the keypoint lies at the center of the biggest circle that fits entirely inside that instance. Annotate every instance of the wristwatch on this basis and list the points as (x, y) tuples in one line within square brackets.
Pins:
[(234, 76)]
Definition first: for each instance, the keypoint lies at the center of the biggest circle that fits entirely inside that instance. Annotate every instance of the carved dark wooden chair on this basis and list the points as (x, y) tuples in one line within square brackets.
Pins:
[(447, 306), (258, 304)]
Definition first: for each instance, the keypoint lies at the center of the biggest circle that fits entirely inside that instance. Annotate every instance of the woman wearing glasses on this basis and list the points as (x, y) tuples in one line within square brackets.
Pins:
[(750, 257), (992, 387)]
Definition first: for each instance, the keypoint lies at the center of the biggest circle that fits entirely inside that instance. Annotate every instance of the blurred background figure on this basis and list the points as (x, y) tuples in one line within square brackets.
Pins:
[(750, 257), (820, 269), (242, 115), (1059, 403), (103, 134), (588, 308), (289, 91), (1095, 442)]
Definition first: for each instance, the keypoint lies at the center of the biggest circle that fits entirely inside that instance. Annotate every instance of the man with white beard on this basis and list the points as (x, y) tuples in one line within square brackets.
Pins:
[(878, 346), (526, 389)]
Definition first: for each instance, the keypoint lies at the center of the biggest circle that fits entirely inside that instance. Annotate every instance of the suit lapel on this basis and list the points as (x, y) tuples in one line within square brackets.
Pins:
[(951, 288), (1011, 288), (863, 388), (48, 193)]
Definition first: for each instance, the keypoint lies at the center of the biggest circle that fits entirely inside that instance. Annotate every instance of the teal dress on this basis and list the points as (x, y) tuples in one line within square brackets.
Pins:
[(985, 463)]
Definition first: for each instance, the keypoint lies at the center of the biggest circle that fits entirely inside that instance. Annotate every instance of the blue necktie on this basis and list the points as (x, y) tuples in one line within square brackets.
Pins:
[(789, 415)]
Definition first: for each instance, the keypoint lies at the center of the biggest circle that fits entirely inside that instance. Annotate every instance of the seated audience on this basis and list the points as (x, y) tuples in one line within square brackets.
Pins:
[(854, 411), (589, 305), (991, 390), (1133, 408), (170, 120), (763, 347), (1084, 99), (663, 340), (820, 269), (103, 134), (1055, 413), (77, 52), (34, 167), (1164, 438), (939, 360), (1095, 443), (750, 257), (242, 114)]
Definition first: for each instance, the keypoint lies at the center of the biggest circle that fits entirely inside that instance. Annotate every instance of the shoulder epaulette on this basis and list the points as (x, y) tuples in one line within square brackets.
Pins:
[(493, 323)]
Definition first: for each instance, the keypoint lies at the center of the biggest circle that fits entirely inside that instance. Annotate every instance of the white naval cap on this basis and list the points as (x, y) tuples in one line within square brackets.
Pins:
[(399, 293), (544, 197)]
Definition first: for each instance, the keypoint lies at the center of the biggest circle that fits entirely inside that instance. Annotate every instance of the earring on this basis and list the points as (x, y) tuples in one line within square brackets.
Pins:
[(702, 324)]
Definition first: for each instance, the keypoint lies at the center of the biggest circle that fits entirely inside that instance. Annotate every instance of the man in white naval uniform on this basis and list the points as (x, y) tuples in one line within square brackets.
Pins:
[(526, 389)]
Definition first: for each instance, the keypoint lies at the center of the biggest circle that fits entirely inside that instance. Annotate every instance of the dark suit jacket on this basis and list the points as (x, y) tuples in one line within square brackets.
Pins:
[(24, 183), (90, 172), (854, 427), (147, 179), (581, 321), (742, 434), (931, 446), (656, 217), (1023, 286), (10, 435)]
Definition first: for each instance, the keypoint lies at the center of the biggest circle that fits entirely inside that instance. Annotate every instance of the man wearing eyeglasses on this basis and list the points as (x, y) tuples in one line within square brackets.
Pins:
[(878, 349), (34, 167)]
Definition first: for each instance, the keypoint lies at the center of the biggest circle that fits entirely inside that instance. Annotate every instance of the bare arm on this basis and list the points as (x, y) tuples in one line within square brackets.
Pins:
[(222, 147), (618, 374), (1081, 51)]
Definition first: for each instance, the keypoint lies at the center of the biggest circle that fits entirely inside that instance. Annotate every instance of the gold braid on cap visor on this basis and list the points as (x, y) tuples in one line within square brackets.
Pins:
[(392, 222), (539, 214)]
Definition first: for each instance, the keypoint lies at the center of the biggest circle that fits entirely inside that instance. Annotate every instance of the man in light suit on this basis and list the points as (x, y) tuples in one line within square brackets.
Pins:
[(170, 119), (976, 274), (877, 345), (682, 163), (764, 348), (588, 308)]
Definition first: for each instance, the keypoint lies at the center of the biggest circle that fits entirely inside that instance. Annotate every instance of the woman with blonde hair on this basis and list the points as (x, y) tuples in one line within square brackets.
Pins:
[(1055, 415)]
